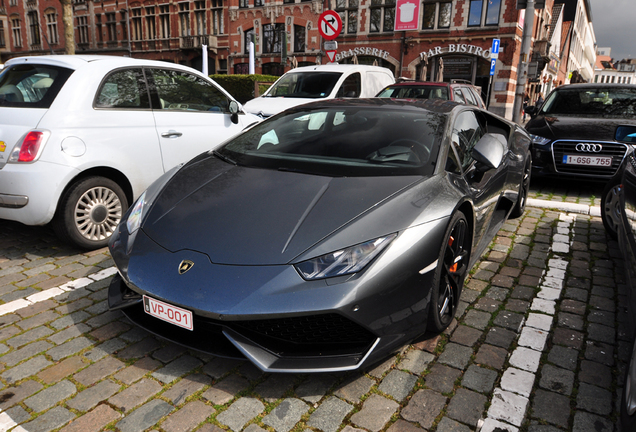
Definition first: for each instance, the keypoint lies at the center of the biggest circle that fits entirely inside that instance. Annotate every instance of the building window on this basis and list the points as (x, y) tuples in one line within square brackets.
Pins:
[(299, 38), (34, 27), (82, 30), (273, 68), (247, 37), (51, 28), (289, 1), (98, 27), (348, 10), (436, 12), (217, 17), (111, 26), (382, 15), (151, 23), (242, 68), (13, 2), (199, 16), (164, 21), (124, 25), (273, 38), (136, 24), (244, 3), (2, 41), (493, 8), (184, 18), (258, 2), (17, 36)]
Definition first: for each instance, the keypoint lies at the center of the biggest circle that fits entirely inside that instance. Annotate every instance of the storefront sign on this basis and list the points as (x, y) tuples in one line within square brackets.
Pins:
[(407, 12), (455, 49), (362, 51)]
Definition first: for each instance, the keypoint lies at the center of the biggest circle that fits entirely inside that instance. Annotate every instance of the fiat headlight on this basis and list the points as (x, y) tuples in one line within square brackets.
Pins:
[(136, 214), (344, 261)]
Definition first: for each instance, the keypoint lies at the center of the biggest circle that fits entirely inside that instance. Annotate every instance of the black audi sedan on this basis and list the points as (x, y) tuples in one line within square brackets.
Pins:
[(325, 237), (583, 130)]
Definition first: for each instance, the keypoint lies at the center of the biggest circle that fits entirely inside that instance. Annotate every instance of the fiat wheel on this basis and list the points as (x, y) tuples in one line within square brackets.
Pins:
[(89, 212)]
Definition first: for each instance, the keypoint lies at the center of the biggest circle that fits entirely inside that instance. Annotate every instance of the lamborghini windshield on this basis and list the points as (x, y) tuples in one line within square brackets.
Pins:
[(592, 102), (343, 141)]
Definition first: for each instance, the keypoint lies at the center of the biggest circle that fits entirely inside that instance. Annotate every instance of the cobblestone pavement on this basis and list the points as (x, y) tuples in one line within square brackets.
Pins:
[(538, 345)]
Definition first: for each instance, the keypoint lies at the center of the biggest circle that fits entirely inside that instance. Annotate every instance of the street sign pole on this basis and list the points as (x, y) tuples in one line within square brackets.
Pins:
[(494, 55)]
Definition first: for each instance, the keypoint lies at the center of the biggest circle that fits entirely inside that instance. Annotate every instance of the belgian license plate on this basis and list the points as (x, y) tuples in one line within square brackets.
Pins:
[(587, 160), (169, 313)]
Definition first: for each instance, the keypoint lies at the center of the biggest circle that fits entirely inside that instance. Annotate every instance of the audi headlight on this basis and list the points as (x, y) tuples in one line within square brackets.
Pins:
[(345, 261), (536, 139), (136, 214)]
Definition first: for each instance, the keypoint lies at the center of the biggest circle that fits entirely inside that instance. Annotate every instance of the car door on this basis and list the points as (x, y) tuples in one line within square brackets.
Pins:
[(485, 187), (191, 114)]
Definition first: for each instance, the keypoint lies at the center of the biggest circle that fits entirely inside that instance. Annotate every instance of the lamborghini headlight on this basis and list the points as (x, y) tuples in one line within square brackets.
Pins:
[(536, 139), (345, 261), (136, 214)]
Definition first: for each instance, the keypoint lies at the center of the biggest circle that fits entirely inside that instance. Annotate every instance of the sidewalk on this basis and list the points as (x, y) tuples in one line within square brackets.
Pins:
[(537, 346)]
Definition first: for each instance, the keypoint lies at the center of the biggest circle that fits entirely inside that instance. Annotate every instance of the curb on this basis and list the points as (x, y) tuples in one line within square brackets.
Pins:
[(565, 206)]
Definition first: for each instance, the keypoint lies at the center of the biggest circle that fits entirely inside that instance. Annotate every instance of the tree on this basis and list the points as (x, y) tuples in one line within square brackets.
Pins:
[(67, 21)]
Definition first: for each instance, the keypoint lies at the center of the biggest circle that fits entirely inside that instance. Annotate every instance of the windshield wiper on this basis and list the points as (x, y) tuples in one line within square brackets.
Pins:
[(223, 157)]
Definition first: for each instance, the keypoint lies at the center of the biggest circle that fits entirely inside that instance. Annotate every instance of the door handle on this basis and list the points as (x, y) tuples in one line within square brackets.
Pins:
[(171, 134)]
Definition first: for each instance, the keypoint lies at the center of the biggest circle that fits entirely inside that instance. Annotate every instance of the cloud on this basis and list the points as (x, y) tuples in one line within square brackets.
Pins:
[(614, 24)]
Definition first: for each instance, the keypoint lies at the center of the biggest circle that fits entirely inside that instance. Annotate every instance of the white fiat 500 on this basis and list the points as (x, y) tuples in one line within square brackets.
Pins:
[(82, 136)]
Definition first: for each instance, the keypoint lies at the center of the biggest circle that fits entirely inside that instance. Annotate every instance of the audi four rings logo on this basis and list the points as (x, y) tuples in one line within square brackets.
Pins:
[(590, 148)]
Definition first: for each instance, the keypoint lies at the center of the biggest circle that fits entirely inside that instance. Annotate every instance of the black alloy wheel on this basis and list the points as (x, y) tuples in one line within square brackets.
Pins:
[(611, 208), (452, 267), (524, 190), (628, 400)]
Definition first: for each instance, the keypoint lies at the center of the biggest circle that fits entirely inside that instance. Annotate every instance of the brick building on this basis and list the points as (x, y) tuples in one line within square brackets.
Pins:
[(453, 39)]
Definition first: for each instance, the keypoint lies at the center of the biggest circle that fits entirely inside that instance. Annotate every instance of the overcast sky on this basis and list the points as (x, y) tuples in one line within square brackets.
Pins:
[(615, 26)]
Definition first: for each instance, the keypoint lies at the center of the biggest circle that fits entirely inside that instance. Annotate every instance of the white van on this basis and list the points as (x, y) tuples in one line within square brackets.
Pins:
[(310, 83)]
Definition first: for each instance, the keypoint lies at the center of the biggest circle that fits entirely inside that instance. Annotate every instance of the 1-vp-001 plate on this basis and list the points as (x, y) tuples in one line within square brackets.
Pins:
[(587, 160), (169, 313)]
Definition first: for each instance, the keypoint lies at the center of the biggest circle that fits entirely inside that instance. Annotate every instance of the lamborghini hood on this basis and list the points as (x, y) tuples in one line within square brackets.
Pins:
[(249, 216)]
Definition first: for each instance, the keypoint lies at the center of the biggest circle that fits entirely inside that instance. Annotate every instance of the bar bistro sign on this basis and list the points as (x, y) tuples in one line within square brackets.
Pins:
[(456, 49)]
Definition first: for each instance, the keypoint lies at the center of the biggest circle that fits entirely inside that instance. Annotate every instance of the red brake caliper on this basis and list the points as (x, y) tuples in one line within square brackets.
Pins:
[(452, 268)]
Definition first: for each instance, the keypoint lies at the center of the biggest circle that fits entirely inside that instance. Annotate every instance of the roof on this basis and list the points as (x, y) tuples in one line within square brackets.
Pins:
[(556, 14), (420, 83), (333, 67)]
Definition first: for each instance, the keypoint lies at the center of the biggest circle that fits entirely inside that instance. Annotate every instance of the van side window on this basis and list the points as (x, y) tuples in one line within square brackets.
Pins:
[(351, 86)]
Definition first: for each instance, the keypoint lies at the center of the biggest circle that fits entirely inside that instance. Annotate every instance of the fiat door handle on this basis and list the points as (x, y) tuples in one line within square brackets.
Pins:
[(171, 134)]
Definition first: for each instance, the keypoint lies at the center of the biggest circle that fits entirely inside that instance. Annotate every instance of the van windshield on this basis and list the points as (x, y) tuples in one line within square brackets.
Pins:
[(313, 85)]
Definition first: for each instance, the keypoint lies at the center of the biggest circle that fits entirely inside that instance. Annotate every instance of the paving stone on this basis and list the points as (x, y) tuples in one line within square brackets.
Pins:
[(487, 304), (29, 336), (240, 412), (353, 389), (37, 320), (9, 331), (525, 358), (466, 406), (375, 413), (329, 415), (509, 320), (87, 399), (469, 295), (275, 386), (601, 333), (52, 419), (12, 417), (404, 426), (442, 378), (14, 395), (602, 303), (602, 317), (556, 379), (577, 294), (224, 391), (50, 396), (69, 348), (135, 334), (595, 373), (315, 388), (508, 407), (500, 337), (70, 333), (551, 407), (26, 369), (465, 335), (189, 385), (477, 285), (145, 416), (479, 379), (594, 399), (217, 367), (27, 351), (545, 306), (523, 292), (424, 407), (539, 321), (177, 368), (286, 414), (188, 417), (138, 370), (110, 330), (416, 361), (398, 384), (95, 420), (563, 357), (98, 371), (102, 350), (169, 352), (567, 337), (135, 395), (68, 320), (599, 352), (492, 425), (491, 356), (477, 319), (585, 422), (61, 370), (456, 356)]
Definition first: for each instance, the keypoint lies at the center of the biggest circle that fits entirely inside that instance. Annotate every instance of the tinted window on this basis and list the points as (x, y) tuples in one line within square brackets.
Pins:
[(468, 95), (415, 92), (183, 91), (339, 141), (305, 85), (458, 96), (466, 132), (592, 102), (350, 87), (33, 86), (124, 88)]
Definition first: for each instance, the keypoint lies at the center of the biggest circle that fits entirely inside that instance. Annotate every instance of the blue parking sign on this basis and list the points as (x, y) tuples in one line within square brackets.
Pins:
[(495, 46), (493, 63)]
